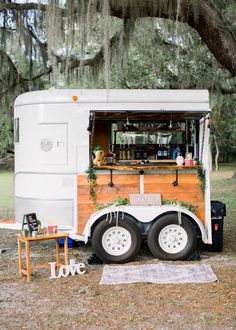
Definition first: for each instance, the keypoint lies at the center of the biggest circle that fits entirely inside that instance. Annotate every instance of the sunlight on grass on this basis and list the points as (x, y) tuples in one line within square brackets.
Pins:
[(223, 188), (6, 195)]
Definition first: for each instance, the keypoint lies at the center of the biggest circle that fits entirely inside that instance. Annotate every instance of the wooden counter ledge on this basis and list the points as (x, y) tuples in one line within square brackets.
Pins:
[(146, 167)]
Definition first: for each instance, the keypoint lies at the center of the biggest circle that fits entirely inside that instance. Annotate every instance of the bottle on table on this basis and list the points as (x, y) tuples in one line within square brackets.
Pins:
[(110, 157)]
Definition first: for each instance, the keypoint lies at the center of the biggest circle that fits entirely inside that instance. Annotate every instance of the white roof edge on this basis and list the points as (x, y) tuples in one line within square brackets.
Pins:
[(113, 96)]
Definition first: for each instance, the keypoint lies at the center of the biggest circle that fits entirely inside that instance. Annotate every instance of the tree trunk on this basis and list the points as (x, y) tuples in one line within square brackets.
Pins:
[(210, 158), (217, 154)]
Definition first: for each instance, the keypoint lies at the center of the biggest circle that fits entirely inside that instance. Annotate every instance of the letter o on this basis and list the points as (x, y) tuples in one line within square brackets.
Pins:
[(62, 273)]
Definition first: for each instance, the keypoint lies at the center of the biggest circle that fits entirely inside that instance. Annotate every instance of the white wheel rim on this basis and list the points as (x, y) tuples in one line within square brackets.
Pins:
[(116, 241), (173, 239)]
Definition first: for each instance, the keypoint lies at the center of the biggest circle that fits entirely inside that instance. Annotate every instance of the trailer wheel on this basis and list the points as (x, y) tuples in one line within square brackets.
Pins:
[(116, 243), (168, 240)]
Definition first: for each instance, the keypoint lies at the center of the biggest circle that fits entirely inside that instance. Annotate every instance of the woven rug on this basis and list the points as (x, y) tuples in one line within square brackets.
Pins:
[(158, 273)]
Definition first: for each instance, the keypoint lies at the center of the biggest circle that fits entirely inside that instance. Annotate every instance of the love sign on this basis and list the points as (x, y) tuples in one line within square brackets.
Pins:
[(66, 270)]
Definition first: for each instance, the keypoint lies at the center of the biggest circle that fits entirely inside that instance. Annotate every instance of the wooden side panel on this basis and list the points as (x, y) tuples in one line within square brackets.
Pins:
[(123, 186), (188, 190), (101, 135)]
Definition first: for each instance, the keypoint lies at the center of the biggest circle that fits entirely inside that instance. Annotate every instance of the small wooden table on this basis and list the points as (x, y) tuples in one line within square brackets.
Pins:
[(27, 240)]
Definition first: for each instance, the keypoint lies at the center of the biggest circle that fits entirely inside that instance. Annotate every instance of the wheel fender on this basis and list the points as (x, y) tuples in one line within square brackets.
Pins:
[(159, 212), (96, 216)]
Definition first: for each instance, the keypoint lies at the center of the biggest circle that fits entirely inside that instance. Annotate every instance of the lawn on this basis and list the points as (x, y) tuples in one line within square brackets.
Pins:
[(6, 195), (223, 188), (79, 302)]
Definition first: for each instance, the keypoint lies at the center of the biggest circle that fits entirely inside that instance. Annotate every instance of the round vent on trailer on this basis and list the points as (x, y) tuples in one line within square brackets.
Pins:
[(46, 144)]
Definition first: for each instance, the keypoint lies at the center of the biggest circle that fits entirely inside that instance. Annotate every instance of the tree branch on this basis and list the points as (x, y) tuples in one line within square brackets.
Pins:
[(42, 45), (24, 81), (223, 90), (209, 23), (12, 68), (218, 38), (22, 6), (97, 60)]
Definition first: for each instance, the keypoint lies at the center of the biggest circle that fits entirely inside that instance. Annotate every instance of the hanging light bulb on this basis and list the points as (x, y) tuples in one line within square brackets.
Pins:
[(127, 120), (127, 124)]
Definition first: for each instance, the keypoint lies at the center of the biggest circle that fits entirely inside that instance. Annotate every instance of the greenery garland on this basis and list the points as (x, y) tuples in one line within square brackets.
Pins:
[(188, 206), (116, 202), (202, 176), (92, 179)]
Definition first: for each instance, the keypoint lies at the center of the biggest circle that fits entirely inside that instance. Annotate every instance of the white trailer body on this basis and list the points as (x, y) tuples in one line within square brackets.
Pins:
[(52, 149)]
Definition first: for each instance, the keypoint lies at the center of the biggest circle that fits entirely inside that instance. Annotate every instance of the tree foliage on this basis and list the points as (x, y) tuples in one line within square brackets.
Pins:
[(116, 44), (223, 125)]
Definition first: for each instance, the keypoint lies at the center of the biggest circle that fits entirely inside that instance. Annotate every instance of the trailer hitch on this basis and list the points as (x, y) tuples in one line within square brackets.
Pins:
[(176, 182)]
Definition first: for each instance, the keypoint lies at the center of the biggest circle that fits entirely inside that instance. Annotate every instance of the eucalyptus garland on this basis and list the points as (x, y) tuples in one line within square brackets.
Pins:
[(188, 206), (92, 179), (116, 202), (115, 208), (202, 176)]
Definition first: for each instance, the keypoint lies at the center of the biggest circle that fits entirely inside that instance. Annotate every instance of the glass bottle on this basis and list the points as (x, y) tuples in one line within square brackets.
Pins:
[(114, 154), (110, 157), (120, 152), (124, 152)]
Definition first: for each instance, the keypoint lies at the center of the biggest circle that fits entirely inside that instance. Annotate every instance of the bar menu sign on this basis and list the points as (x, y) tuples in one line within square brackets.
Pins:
[(31, 220)]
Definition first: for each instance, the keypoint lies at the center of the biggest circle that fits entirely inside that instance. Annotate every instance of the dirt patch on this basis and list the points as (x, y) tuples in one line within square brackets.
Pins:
[(79, 302)]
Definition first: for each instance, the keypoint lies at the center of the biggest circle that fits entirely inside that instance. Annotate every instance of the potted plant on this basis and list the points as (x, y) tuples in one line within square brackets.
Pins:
[(25, 232), (95, 149)]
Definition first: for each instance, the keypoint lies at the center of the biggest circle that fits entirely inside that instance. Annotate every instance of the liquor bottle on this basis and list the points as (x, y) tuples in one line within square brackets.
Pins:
[(124, 152), (165, 152), (145, 154), (159, 152), (114, 154), (168, 152), (120, 152), (128, 153), (110, 157), (138, 154)]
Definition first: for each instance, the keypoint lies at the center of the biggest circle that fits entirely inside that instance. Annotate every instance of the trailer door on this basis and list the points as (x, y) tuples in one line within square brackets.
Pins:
[(53, 143)]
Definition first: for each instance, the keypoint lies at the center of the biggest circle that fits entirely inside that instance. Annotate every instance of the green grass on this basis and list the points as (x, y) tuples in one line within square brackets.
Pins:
[(223, 188), (6, 195)]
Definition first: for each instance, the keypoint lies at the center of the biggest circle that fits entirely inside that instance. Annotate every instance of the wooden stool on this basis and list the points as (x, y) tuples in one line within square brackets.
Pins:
[(27, 240)]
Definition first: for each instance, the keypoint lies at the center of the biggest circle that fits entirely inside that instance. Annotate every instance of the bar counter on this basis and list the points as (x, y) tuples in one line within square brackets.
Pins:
[(146, 167)]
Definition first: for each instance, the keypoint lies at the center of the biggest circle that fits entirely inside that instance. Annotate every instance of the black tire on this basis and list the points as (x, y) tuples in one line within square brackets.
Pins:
[(130, 243), (163, 242)]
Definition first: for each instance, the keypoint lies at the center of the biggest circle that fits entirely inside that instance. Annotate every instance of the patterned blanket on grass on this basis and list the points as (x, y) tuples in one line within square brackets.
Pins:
[(158, 273)]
